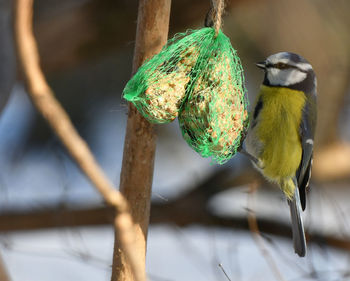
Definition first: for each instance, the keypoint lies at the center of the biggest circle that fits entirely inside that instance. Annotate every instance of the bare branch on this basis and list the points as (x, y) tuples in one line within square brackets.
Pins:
[(224, 272), (161, 214), (139, 146), (45, 102), (4, 276), (253, 226)]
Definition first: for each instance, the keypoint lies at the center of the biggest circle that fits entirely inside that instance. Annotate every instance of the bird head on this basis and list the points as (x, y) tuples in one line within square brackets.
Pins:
[(287, 69)]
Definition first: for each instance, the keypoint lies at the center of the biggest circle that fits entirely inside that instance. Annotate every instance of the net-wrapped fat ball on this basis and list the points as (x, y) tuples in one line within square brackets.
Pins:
[(212, 119), (159, 90), (165, 95)]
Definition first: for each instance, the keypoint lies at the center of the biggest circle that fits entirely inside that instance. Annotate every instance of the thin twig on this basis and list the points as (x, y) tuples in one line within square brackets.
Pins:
[(45, 102), (253, 225), (4, 276), (223, 270)]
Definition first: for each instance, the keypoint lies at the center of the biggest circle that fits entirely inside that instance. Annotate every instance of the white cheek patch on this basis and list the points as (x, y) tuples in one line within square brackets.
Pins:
[(285, 77), (304, 66)]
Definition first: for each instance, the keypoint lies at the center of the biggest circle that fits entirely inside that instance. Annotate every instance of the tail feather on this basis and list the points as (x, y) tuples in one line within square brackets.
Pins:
[(297, 225)]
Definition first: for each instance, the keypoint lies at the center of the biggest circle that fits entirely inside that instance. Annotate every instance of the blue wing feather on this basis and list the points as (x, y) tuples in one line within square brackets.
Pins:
[(307, 133)]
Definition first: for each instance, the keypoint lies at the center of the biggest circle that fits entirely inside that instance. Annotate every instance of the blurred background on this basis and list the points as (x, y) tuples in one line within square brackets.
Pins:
[(54, 226)]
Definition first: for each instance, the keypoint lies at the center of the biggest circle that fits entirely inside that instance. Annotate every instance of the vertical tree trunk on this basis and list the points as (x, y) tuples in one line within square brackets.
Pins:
[(139, 147)]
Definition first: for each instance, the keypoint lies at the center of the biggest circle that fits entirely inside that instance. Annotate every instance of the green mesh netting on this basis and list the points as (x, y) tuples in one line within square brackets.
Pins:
[(199, 78), (159, 86), (213, 117)]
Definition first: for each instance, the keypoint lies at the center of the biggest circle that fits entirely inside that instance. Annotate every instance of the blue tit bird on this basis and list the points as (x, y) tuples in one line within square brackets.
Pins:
[(281, 134)]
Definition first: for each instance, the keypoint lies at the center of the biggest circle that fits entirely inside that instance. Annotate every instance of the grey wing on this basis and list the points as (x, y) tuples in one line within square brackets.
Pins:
[(307, 132)]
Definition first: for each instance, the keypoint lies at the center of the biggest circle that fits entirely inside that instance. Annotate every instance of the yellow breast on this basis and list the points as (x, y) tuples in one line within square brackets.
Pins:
[(278, 131)]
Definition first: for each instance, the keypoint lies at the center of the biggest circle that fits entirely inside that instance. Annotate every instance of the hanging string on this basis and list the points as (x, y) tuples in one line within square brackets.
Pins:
[(219, 6)]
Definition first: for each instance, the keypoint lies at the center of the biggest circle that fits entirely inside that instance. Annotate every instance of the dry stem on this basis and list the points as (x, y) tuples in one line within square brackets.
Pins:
[(4, 276), (45, 102), (139, 146), (253, 225)]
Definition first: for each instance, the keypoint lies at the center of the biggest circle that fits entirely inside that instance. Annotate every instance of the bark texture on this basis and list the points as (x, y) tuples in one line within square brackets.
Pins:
[(139, 147)]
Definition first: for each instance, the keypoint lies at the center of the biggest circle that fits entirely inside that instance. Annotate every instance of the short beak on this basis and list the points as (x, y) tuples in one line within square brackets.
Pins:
[(261, 65)]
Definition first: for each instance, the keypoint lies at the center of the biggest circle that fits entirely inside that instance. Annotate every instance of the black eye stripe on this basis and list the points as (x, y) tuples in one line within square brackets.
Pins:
[(284, 66)]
